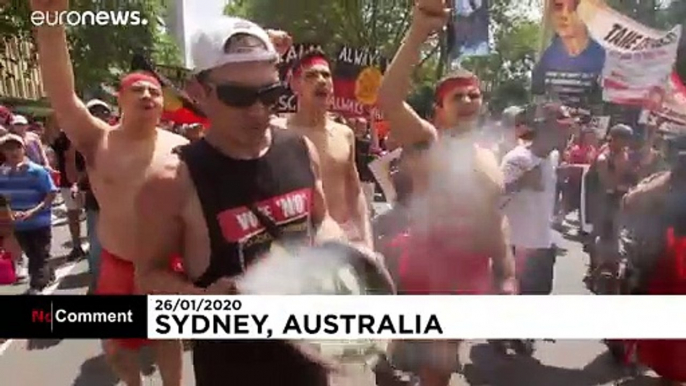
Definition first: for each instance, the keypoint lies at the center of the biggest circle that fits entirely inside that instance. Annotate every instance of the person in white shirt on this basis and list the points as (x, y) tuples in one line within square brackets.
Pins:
[(530, 179)]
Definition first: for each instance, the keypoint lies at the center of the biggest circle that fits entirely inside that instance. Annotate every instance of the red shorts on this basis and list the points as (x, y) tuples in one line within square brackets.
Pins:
[(117, 277)]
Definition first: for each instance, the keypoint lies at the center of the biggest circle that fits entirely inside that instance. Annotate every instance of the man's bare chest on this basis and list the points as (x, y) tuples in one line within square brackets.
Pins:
[(334, 151)]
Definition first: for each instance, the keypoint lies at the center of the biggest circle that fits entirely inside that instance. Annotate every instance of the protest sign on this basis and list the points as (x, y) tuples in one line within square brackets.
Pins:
[(288, 103), (381, 169), (468, 29), (594, 46), (570, 66), (599, 124), (357, 78)]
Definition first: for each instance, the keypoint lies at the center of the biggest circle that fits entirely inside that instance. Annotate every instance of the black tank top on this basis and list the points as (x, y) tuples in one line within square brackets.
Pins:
[(281, 182)]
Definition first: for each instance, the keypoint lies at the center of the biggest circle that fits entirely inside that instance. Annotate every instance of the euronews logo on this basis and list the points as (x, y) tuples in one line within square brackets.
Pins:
[(87, 18)]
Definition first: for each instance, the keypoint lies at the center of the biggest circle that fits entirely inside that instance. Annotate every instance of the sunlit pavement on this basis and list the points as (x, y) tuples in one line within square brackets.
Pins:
[(563, 363)]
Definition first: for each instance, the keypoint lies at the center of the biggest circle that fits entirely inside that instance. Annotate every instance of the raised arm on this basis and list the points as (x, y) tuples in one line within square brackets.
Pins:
[(81, 127), (406, 125)]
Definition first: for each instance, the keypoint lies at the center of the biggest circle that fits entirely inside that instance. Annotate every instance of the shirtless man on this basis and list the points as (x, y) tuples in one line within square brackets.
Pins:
[(335, 143), (211, 202), (456, 228), (117, 159), (616, 175)]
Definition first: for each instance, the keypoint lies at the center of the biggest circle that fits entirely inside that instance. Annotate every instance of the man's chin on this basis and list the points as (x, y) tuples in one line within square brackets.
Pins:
[(468, 117)]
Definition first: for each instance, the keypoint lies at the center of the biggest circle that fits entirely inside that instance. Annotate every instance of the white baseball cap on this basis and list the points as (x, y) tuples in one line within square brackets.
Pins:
[(210, 48), (97, 102), (11, 138), (19, 120)]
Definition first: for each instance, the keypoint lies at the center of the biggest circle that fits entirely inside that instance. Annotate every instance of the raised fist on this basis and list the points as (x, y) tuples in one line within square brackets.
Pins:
[(430, 16), (433, 7), (282, 40), (50, 5)]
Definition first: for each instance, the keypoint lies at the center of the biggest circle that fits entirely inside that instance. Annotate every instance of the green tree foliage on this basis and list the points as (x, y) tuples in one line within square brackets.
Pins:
[(371, 23), (100, 53)]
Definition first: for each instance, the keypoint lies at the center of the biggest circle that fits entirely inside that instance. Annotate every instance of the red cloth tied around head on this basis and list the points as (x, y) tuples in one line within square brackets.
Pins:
[(130, 79), (451, 83), (309, 62)]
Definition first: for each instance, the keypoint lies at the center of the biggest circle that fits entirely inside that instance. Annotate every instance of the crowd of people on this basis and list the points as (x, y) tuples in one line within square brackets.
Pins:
[(32, 142), (164, 202)]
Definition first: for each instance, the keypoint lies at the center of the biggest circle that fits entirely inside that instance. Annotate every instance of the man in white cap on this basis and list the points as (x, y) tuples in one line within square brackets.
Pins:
[(34, 146), (118, 158), (228, 196)]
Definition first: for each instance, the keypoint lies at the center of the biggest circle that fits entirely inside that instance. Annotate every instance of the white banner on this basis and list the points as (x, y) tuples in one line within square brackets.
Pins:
[(639, 60), (415, 317)]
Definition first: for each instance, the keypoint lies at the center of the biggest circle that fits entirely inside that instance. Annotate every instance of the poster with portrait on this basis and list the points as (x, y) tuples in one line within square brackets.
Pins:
[(468, 31), (357, 77), (570, 66), (288, 103), (595, 51)]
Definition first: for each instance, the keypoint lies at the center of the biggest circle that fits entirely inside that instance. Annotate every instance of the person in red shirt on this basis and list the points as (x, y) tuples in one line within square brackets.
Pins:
[(585, 150), (581, 152)]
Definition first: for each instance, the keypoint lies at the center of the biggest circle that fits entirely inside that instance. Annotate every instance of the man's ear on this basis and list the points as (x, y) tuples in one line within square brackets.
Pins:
[(196, 90), (435, 112)]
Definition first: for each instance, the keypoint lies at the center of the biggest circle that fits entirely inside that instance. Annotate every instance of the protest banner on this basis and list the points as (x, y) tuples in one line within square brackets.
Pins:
[(595, 47), (357, 78), (468, 29), (619, 32), (288, 103)]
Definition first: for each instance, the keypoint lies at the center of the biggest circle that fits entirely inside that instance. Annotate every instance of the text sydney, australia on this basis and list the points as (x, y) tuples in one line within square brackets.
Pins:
[(250, 326)]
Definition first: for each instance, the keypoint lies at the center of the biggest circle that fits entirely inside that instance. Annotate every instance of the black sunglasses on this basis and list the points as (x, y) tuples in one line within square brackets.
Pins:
[(244, 96)]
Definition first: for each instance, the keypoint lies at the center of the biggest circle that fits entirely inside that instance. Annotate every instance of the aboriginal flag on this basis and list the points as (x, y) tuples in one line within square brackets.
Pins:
[(178, 106), (357, 78)]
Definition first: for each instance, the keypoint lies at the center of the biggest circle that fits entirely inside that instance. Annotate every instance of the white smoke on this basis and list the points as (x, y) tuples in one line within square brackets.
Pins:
[(301, 271)]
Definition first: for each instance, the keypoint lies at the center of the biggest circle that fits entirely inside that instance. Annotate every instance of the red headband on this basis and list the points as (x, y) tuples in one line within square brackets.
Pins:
[(128, 80), (449, 84), (309, 62)]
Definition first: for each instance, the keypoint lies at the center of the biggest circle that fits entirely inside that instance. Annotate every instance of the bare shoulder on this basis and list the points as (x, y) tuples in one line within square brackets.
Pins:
[(647, 191)]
